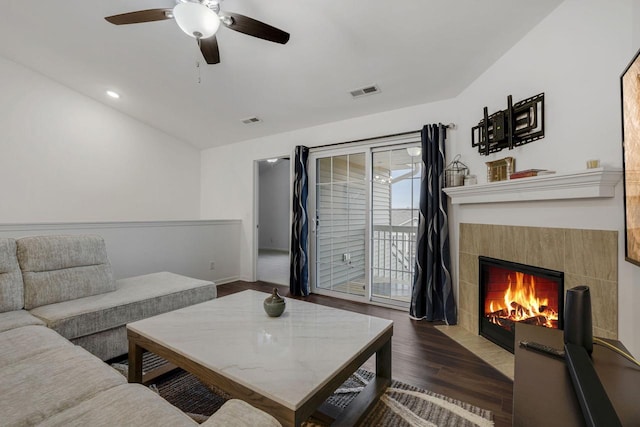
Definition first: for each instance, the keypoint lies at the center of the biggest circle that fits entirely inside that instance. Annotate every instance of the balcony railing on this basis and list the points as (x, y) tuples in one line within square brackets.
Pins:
[(393, 256)]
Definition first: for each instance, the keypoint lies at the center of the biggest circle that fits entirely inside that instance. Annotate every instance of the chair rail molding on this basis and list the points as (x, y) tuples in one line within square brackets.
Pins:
[(584, 184)]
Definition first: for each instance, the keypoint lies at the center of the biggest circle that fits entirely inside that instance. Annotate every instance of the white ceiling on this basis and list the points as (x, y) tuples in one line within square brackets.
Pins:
[(416, 51)]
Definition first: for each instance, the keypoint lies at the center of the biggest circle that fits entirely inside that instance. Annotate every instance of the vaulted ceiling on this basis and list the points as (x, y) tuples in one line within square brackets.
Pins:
[(416, 51)]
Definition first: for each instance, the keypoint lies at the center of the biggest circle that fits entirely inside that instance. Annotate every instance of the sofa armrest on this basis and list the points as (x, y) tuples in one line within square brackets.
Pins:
[(237, 413)]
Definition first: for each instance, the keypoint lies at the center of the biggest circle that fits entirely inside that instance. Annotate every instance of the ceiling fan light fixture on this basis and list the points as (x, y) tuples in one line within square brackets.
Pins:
[(196, 20)]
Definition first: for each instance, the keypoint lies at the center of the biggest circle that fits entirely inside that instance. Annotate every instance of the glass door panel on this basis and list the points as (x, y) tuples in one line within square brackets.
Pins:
[(341, 224), (394, 217)]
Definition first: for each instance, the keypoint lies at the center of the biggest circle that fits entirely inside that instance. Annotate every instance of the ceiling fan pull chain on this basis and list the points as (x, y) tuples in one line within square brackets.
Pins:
[(198, 69)]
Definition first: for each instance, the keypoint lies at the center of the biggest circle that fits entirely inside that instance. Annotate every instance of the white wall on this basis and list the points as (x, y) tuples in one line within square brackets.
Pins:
[(134, 248), (575, 56), (66, 157), (274, 204), (227, 171), (636, 23)]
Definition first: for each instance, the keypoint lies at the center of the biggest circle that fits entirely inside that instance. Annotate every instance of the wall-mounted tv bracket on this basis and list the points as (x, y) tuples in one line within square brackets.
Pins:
[(519, 124)]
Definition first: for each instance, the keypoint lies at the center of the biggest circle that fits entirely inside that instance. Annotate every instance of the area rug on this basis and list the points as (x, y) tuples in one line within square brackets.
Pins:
[(401, 405)]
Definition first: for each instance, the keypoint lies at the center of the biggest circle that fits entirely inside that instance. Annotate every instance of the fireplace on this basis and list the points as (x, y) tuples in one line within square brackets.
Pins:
[(511, 293)]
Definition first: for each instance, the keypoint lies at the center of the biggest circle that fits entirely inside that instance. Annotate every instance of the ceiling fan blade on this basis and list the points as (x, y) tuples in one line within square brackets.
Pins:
[(139, 16), (209, 49), (255, 28)]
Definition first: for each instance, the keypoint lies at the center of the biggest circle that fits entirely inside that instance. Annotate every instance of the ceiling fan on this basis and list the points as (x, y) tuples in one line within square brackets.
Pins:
[(201, 20)]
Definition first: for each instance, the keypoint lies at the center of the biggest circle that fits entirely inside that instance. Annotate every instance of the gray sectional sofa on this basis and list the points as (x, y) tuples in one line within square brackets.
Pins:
[(57, 291), (68, 283)]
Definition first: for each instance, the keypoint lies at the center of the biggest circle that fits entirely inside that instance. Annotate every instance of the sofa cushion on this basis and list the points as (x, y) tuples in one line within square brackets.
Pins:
[(135, 298), (17, 319), (125, 405), (62, 268), (37, 387), (238, 413), (22, 343), (11, 287)]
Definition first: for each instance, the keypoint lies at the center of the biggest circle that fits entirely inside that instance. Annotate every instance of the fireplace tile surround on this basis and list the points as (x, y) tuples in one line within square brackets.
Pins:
[(587, 257)]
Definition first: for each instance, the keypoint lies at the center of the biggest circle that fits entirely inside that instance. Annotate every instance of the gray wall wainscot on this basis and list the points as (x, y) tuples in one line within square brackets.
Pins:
[(135, 248)]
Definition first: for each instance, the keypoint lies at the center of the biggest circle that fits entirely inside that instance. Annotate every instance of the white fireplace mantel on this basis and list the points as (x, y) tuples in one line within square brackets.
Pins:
[(589, 183)]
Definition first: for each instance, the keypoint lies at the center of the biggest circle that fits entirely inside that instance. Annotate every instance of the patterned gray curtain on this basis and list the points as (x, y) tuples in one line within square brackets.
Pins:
[(432, 294), (299, 269)]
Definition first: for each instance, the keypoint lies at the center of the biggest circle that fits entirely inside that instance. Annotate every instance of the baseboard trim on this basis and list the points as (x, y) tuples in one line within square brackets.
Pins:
[(279, 250), (226, 280)]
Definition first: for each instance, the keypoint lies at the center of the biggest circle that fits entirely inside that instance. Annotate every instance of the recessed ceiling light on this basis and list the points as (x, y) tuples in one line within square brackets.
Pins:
[(272, 160), (113, 94)]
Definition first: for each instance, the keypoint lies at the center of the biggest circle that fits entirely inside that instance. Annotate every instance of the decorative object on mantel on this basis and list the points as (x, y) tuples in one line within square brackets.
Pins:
[(582, 184), (274, 304), (525, 173), (592, 164), (519, 124), (470, 180), (455, 172), (500, 170), (630, 92)]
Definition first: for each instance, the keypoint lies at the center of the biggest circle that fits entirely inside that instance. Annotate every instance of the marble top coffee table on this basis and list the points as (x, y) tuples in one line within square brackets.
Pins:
[(286, 366)]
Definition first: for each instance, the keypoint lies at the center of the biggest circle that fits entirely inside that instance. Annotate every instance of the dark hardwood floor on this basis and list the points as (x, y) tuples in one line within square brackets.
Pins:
[(423, 356)]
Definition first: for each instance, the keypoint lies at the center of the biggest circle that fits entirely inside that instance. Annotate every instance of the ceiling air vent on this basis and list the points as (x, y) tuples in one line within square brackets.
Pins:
[(369, 90), (250, 120)]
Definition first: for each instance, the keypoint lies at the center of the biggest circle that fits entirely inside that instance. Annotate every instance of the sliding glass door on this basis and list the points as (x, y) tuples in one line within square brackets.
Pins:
[(363, 210), (340, 223)]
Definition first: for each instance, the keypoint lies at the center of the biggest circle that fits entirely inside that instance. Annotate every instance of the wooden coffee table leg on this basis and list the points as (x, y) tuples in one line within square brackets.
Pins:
[(383, 361), (135, 362), (368, 397)]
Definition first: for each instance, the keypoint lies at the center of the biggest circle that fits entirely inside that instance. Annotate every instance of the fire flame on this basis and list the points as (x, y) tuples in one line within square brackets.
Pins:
[(521, 304)]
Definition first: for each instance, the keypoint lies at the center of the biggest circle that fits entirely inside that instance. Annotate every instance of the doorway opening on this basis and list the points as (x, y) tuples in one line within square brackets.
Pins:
[(273, 223)]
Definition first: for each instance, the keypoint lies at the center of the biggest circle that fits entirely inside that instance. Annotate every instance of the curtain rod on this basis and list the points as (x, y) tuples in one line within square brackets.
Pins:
[(448, 126)]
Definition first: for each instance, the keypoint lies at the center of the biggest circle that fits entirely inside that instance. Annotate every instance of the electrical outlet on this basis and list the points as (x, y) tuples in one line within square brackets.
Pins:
[(346, 257), (212, 266)]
